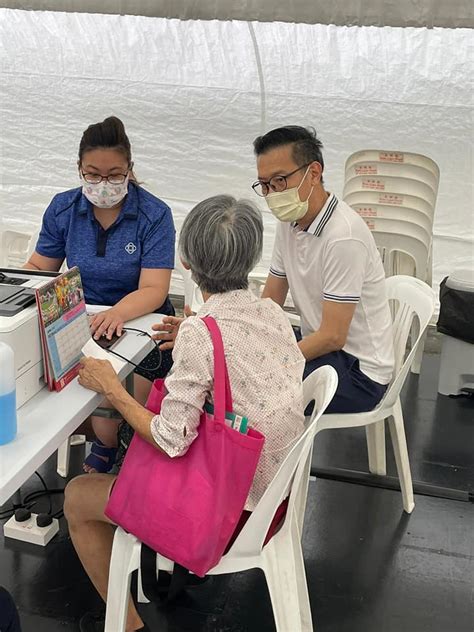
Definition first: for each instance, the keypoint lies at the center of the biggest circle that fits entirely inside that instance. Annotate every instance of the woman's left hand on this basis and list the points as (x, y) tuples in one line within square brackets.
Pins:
[(97, 375), (107, 323)]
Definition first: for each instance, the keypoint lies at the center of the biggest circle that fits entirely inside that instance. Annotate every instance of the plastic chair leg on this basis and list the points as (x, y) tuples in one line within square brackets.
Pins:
[(416, 366), (125, 559), (140, 594), (400, 450), (62, 467), (77, 439), (375, 434), (286, 580)]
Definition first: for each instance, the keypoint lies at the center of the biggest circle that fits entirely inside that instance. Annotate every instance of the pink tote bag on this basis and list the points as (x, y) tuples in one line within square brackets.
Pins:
[(187, 508)]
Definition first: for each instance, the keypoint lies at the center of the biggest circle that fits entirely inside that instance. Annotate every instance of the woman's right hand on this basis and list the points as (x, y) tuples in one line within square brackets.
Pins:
[(168, 329)]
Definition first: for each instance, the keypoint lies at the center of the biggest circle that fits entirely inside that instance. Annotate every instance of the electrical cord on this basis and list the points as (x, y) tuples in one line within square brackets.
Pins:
[(31, 499), (46, 490), (34, 496), (137, 366)]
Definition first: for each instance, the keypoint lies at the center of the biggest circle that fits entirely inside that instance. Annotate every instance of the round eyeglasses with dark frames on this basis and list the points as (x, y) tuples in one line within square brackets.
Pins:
[(277, 184), (95, 178)]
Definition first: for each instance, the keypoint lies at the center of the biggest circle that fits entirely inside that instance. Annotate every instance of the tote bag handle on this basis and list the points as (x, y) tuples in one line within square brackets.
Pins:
[(222, 391)]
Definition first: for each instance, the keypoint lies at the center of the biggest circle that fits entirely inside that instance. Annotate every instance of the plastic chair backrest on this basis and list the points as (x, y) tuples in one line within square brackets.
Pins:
[(188, 283), (411, 298), (389, 244), (293, 474), (387, 184), (394, 170), (257, 282), (393, 157), (398, 227), (33, 242), (399, 200), (14, 248), (396, 214)]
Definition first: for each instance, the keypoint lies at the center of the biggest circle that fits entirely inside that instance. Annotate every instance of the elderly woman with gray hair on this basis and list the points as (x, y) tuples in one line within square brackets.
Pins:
[(220, 242)]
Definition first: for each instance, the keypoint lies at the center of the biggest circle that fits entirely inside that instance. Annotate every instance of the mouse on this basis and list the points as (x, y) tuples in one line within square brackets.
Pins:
[(105, 343)]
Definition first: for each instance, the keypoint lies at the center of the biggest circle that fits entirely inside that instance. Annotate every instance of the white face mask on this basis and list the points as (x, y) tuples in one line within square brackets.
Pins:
[(104, 194), (286, 205)]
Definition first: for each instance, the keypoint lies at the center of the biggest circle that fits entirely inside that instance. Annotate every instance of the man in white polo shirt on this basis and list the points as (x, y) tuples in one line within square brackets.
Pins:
[(326, 256)]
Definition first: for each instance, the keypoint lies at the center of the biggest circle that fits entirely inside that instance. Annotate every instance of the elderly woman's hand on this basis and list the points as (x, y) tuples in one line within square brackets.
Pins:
[(98, 375), (169, 328)]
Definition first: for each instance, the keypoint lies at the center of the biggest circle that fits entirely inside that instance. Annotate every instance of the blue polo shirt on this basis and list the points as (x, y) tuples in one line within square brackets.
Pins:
[(110, 261)]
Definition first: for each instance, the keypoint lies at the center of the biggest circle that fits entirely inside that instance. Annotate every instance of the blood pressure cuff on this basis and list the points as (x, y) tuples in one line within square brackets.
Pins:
[(456, 314)]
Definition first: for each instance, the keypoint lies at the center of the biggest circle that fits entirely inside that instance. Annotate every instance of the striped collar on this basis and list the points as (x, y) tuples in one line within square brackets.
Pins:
[(323, 217)]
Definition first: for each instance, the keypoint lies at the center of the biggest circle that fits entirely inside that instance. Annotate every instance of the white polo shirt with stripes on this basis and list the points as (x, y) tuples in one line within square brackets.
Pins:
[(335, 259)]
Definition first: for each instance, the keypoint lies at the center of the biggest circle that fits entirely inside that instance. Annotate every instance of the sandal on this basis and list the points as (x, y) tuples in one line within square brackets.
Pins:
[(98, 449)]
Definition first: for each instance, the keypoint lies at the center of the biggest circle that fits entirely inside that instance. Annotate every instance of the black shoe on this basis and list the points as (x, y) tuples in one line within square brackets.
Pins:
[(93, 622)]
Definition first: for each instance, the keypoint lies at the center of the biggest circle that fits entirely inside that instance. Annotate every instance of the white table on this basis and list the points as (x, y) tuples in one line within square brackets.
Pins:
[(46, 420)]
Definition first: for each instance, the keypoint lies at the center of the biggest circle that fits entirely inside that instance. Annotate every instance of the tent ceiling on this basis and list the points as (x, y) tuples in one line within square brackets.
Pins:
[(417, 13)]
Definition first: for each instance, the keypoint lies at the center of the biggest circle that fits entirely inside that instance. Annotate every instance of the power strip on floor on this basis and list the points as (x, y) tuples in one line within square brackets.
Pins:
[(28, 531)]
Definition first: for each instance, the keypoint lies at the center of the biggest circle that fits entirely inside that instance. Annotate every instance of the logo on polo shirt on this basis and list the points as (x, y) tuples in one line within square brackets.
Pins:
[(130, 248)]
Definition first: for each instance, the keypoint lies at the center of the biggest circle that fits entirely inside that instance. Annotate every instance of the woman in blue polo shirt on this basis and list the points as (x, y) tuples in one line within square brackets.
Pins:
[(121, 237)]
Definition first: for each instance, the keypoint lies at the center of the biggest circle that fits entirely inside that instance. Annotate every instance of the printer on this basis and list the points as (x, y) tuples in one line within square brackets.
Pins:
[(19, 327)]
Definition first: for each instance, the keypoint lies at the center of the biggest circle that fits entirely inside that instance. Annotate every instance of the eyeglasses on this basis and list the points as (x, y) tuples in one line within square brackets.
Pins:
[(276, 184), (95, 178)]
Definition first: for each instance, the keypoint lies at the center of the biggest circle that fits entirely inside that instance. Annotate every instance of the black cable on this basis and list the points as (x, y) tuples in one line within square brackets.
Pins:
[(45, 489), (137, 366), (40, 493), (7, 513), (30, 500)]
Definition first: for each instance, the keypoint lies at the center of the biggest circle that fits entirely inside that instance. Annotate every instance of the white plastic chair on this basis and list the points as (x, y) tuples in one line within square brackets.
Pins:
[(397, 214), (401, 170), (257, 282), (400, 228), (413, 299), (393, 158), (192, 294), (388, 199), (393, 185), (281, 559), (15, 247)]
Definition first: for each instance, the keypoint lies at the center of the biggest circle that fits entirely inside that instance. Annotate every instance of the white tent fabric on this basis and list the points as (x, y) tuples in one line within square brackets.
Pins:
[(194, 94)]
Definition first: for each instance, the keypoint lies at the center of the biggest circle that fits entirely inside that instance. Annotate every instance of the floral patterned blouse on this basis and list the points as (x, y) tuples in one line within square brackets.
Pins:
[(265, 369)]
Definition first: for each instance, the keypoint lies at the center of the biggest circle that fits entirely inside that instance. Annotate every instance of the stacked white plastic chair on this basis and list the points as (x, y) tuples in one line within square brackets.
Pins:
[(395, 193), (281, 559)]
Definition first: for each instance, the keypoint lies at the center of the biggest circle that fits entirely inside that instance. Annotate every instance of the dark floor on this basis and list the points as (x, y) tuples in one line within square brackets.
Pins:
[(370, 567)]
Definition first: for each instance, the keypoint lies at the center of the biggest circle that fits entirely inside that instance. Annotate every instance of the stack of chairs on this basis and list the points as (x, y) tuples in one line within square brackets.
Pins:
[(395, 193)]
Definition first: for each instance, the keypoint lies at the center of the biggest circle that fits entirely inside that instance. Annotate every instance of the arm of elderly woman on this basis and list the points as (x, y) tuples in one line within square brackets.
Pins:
[(99, 376), (188, 386)]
